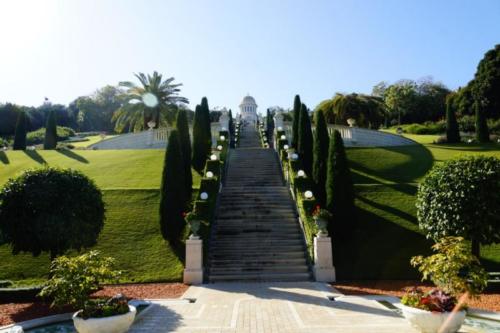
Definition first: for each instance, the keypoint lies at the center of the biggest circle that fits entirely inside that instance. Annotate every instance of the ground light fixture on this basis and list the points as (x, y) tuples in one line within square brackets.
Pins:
[(308, 194), (286, 147), (213, 157), (283, 137), (295, 157), (301, 173), (209, 174), (280, 128), (219, 147), (222, 138), (203, 195)]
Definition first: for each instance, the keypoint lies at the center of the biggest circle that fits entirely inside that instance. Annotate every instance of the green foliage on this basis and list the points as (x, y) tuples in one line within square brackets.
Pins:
[(182, 127), (482, 133), (320, 156), (339, 189), (20, 136), (460, 198), (50, 141), (368, 111), (200, 151), (38, 136), (452, 268), (50, 210), (486, 84), (428, 127), (95, 112), (452, 132), (101, 308), (73, 279), (305, 143), (162, 96), (172, 200), (207, 129), (9, 113), (296, 119)]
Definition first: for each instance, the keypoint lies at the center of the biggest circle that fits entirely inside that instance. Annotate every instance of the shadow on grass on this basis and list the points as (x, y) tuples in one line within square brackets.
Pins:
[(378, 249), (73, 155), (468, 147), (3, 157), (392, 210), (35, 156)]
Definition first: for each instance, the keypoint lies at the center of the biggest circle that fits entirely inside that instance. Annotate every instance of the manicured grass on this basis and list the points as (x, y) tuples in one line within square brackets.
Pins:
[(386, 181), (110, 169), (131, 235)]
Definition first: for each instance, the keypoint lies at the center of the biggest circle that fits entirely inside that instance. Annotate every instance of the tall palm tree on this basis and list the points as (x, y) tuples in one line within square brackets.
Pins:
[(153, 100)]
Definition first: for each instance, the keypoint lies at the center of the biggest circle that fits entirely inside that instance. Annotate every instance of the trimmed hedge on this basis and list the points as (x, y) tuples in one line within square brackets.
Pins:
[(37, 137)]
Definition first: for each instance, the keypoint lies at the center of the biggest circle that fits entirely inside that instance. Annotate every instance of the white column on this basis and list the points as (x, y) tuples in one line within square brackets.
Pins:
[(193, 273), (323, 262)]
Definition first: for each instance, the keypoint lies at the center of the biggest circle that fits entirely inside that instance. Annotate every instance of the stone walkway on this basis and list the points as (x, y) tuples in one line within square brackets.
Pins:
[(269, 307)]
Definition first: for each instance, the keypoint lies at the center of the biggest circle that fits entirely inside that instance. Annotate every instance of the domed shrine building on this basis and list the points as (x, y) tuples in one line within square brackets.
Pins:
[(248, 109)]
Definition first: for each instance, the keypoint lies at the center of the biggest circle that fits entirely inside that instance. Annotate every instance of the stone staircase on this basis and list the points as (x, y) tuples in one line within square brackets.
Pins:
[(257, 236)]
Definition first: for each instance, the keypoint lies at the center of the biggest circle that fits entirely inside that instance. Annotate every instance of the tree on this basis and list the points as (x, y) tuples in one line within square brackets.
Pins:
[(206, 124), (9, 114), (320, 156), (482, 132), (305, 142), (200, 152), (51, 210), (50, 141), (154, 100), (172, 197), (339, 189), (400, 98), (182, 127), (460, 198), (20, 136), (452, 132), (296, 118), (486, 87)]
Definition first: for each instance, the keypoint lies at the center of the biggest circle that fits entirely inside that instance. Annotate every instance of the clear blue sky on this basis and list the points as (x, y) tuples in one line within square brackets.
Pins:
[(272, 49)]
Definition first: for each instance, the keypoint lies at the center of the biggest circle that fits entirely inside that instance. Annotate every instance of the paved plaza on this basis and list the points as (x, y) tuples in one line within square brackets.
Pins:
[(269, 307)]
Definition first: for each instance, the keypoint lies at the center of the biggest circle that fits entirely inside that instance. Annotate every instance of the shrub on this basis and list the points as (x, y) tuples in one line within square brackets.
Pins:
[(50, 140), (482, 133), (320, 155), (434, 300), (172, 198), (339, 189), (297, 104), (200, 151), (452, 268), (467, 124), (37, 137), (494, 125), (20, 135), (73, 279), (460, 198), (452, 132), (100, 308), (50, 210)]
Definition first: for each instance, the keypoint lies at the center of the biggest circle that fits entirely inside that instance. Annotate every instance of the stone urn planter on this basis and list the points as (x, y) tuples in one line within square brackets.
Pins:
[(113, 324), (434, 322), (321, 224)]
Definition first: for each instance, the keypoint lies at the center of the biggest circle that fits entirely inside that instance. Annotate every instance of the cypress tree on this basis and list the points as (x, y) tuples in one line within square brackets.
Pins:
[(199, 156), (305, 143), (172, 190), (182, 127), (20, 134), (296, 118), (339, 189), (206, 124), (452, 132), (482, 133), (320, 156), (50, 141)]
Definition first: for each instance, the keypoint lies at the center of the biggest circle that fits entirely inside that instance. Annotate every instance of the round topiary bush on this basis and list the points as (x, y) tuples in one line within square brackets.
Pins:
[(50, 210), (461, 197)]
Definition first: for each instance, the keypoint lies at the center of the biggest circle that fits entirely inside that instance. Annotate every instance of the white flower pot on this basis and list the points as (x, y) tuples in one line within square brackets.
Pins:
[(434, 322), (114, 324)]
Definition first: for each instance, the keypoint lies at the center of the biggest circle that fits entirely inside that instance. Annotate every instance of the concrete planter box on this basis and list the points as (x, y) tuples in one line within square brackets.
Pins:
[(114, 324), (434, 322)]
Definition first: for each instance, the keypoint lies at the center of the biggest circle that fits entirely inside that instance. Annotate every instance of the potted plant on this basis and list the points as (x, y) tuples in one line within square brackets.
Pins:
[(194, 222), (321, 217), (457, 275), (72, 282)]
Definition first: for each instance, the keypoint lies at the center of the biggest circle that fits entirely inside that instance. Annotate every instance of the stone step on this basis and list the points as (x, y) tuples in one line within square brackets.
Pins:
[(223, 270), (258, 262), (261, 277), (289, 254)]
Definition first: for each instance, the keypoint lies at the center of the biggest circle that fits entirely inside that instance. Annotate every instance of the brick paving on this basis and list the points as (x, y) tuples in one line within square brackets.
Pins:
[(269, 307)]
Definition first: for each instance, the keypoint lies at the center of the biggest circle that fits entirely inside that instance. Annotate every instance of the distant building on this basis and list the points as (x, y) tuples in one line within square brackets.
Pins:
[(248, 109)]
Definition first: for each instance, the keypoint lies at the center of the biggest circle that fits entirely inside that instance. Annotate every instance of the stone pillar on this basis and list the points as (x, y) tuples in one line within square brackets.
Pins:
[(278, 120), (193, 273), (224, 121), (323, 263)]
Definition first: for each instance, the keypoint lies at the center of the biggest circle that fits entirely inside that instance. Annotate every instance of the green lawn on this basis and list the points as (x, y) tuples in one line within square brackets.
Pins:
[(130, 180), (386, 182)]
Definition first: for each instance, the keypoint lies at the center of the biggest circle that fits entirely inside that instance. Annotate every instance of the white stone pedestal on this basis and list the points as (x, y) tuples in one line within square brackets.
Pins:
[(323, 263), (193, 273)]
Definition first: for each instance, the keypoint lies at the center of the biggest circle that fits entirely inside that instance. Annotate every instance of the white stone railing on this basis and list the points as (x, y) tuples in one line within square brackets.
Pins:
[(359, 137)]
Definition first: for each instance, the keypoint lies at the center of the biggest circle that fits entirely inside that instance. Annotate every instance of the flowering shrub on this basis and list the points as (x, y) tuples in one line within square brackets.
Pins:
[(321, 213), (435, 300), (99, 308)]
